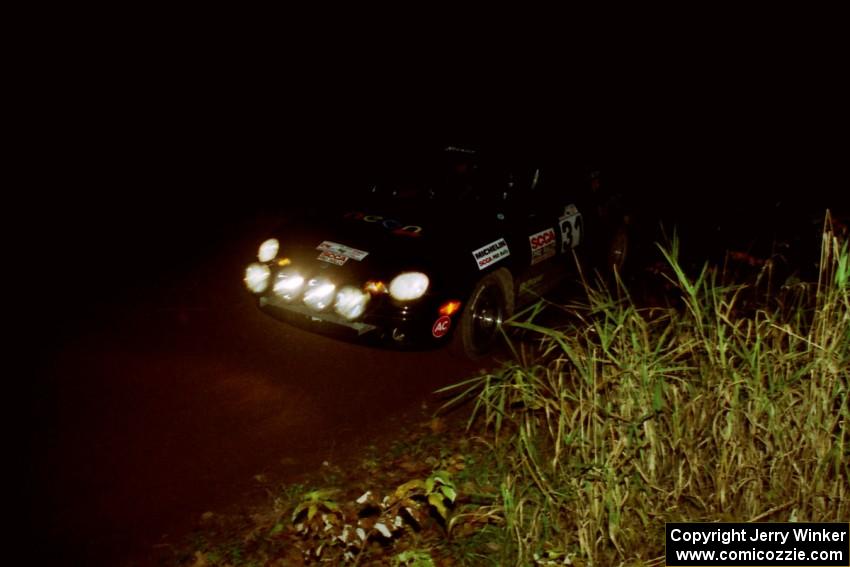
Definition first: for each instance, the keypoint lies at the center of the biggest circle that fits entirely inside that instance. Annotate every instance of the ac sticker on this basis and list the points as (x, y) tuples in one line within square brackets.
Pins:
[(441, 326)]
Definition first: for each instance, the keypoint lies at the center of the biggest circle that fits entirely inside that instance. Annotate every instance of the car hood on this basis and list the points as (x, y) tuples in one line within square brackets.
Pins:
[(380, 241)]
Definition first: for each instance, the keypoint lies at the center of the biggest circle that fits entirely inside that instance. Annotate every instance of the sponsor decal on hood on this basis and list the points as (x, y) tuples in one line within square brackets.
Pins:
[(331, 258), (341, 250), (393, 225), (491, 253)]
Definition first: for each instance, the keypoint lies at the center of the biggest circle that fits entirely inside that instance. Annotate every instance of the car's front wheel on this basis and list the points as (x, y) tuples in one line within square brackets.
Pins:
[(489, 305)]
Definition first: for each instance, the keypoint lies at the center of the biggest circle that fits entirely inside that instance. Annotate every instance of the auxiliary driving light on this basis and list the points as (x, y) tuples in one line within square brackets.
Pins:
[(319, 294), (257, 277), (268, 250), (287, 284), (351, 302)]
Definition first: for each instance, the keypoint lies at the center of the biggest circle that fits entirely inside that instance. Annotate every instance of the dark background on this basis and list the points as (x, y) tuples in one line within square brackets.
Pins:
[(144, 148), (143, 152)]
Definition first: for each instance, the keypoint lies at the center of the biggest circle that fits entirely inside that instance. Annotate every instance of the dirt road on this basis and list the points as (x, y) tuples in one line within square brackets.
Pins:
[(171, 399)]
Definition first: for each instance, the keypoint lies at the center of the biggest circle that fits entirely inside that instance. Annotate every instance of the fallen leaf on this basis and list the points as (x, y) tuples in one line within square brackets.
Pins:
[(381, 527), (438, 425)]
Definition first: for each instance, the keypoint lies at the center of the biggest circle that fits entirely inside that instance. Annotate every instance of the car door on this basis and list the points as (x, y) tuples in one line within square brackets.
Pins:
[(543, 234)]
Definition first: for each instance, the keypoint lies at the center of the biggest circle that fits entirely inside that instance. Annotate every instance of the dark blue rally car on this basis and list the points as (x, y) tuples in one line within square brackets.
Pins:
[(439, 251)]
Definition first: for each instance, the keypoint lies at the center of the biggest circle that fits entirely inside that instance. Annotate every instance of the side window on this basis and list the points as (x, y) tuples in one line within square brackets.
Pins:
[(544, 190), (536, 179), (522, 182), (525, 189)]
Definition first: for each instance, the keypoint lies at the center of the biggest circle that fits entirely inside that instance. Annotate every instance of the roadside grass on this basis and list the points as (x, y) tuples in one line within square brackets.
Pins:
[(727, 403)]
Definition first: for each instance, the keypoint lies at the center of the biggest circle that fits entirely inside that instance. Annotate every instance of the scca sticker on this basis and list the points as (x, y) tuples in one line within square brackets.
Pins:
[(441, 326), (491, 253), (542, 245), (332, 258), (342, 250)]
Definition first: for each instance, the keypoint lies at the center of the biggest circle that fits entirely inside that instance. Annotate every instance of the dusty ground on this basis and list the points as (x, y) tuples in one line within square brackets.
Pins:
[(171, 400)]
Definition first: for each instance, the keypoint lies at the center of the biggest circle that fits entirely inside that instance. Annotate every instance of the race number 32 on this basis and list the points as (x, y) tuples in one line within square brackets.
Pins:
[(571, 228)]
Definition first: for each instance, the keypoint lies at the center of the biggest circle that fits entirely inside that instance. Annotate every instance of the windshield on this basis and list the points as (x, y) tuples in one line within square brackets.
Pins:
[(454, 174)]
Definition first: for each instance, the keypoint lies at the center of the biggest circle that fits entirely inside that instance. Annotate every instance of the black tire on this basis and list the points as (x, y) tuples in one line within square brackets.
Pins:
[(490, 304)]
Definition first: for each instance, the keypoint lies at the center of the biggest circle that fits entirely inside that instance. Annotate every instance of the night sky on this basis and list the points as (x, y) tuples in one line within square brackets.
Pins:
[(164, 160), (154, 145)]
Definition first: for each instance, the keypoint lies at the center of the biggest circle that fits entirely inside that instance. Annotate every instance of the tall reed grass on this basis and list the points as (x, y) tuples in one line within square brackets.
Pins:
[(711, 409)]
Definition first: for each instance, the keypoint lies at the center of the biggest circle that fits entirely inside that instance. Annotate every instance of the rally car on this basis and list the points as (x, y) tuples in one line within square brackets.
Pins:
[(441, 255)]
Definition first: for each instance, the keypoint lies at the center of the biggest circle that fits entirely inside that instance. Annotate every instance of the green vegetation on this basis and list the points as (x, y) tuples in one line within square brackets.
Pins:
[(728, 404), (732, 406)]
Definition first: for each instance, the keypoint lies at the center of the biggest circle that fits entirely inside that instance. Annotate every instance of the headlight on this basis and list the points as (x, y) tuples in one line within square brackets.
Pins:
[(319, 294), (257, 277), (288, 283), (268, 250), (409, 285), (351, 302)]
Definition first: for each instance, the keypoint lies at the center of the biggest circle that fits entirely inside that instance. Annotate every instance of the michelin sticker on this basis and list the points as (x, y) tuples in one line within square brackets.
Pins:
[(341, 250), (491, 253), (542, 245), (571, 227)]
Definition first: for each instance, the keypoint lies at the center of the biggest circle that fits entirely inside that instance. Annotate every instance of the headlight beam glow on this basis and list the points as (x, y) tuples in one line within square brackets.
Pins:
[(288, 283), (408, 286), (257, 277), (351, 302), (268, 250), (319, 294)]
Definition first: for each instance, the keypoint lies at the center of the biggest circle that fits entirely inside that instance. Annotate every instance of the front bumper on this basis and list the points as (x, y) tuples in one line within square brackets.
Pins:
[(280, 308), (386, 322)]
